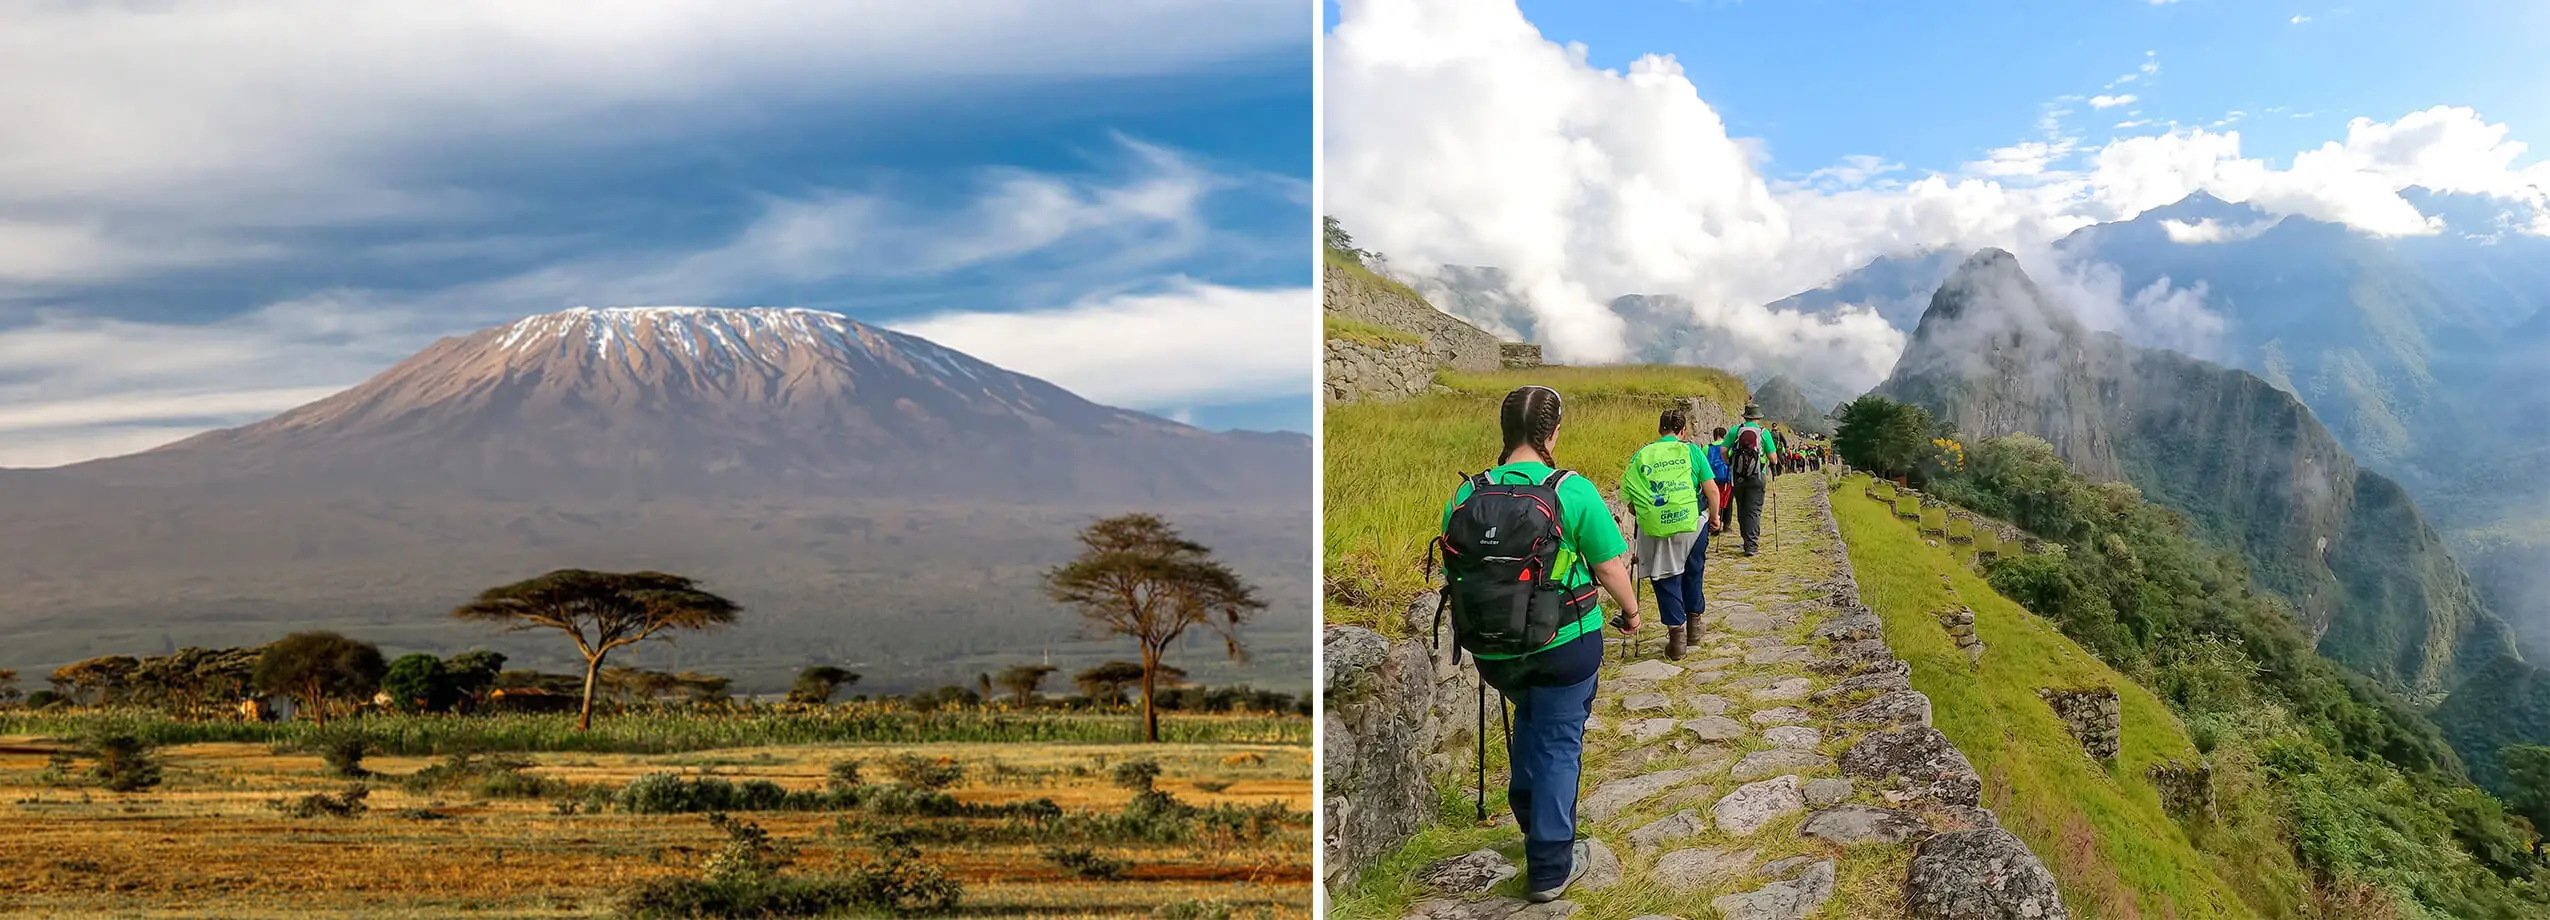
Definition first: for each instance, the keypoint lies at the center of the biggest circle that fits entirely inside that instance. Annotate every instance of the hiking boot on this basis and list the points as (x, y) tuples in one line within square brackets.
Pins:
[(1674, 641), (1578, 858)]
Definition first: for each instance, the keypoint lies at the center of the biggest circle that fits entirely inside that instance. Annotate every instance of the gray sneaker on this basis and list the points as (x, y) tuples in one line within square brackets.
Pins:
[(1578, 858)]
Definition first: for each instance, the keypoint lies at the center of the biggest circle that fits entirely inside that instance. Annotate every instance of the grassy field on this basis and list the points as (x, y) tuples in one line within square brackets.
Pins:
[(1390, 467), (2100, 828), (677, 731), (206, 842)]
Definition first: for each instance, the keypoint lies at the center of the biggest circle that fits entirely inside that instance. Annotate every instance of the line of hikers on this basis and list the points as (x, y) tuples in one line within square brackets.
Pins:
[(1527, 547)]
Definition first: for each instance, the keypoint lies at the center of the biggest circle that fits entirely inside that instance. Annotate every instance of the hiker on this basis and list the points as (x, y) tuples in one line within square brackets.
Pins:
[(1667, 485), (1718, 468), (1524, 545), (1749, 449)]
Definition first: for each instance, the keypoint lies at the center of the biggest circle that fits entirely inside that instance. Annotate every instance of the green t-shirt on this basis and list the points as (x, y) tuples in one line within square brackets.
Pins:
[(1592, 538)]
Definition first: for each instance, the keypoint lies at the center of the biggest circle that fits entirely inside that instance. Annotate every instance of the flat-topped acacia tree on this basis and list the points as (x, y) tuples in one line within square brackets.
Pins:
[(1136, 577), (601, 611)]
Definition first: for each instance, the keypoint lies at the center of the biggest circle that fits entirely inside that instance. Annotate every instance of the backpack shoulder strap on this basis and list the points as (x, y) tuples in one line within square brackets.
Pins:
[(1555, 477)]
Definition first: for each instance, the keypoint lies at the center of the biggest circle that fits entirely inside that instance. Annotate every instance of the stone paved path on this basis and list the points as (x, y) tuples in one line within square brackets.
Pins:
[(1783, 768)]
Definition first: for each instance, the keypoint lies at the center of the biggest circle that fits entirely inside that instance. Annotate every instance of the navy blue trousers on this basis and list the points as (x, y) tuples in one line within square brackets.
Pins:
[(1552, 693), (1678, 597)]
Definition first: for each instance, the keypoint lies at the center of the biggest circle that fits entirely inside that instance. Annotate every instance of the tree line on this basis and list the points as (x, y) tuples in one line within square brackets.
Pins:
[(1135, 578)]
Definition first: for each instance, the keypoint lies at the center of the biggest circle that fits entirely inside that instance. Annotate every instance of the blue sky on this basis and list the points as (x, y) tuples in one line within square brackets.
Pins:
[(1935, 84), (208, 215), (1734, 153)]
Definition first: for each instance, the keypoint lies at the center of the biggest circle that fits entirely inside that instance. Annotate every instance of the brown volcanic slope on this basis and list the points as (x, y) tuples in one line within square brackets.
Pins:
[(870, 496)]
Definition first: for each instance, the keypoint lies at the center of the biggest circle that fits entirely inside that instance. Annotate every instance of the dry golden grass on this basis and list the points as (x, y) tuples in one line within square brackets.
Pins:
[(205, 843)]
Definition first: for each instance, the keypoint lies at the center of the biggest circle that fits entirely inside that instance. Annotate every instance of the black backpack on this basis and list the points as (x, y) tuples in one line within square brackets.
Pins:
[(1745, 461), (1499, 549)]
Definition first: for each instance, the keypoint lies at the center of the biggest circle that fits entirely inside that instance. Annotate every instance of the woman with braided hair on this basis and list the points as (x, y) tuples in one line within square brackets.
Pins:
[(1552, 688)]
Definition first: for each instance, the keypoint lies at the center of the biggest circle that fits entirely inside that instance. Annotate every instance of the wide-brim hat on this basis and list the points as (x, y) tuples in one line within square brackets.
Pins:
[(1752, 412)]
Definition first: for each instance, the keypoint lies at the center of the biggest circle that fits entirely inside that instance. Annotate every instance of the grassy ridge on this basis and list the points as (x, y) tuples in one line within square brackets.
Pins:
[(1360, 332), (1368, 276), (2101, 829), (1390, 467), (669, 732)]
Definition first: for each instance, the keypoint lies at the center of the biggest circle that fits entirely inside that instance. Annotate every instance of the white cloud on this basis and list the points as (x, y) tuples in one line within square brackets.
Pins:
[(2356, 181), (1191, 345), (2210, 230), (1456, 134), (175, 125), (1142, 216), (2109, 102), (2158, 315), (1853, 171), (82, 387), (2298, 20), (2024, 159)]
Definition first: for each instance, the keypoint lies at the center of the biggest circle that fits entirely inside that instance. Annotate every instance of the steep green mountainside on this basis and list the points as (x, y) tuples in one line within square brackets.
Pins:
[(2332, 797), (2101, 827), (2246, 461)]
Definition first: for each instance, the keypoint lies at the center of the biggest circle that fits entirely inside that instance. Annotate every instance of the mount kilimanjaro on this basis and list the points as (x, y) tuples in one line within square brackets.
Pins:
[(871, 497)]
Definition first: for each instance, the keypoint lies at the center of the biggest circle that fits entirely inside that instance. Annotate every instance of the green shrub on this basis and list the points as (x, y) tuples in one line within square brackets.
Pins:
[(124, 763), (843, 774), (342, 749), (1137, 775), (346, 804), (670, 794), (744, 880), (921, 772), (1192, 910), (1083, 862)]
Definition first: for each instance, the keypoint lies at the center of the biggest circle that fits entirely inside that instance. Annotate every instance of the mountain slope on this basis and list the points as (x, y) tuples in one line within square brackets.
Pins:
[(1783, 402), (643, 401), (2243, 459), (868, 495)]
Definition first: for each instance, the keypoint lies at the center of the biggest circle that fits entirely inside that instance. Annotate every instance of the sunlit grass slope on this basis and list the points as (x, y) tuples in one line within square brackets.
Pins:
[(1391, 466), (2101, 828)]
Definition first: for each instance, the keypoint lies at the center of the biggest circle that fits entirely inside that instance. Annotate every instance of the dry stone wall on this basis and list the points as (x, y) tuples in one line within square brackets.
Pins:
[(1398, 714), (1357, 371), (2091, 715), (1979, 872)]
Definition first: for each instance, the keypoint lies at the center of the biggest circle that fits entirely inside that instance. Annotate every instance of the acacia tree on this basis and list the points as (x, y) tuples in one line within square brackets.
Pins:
[(8, 684), (817, 684), (1107, 681), (602, 612), (1137, 577), (315, 667), (1022, 681), (105, 675)]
